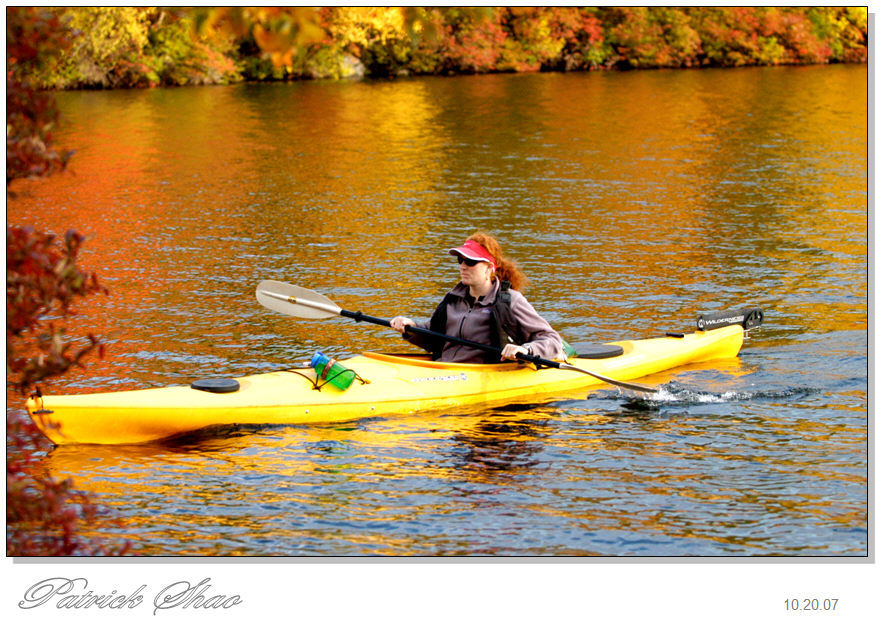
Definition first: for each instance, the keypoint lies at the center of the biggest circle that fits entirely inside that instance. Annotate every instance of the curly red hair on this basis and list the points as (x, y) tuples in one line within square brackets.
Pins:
[(507, 269)]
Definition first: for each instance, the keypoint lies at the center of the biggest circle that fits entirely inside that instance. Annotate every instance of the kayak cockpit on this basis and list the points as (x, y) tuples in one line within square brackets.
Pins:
[(422, 360)]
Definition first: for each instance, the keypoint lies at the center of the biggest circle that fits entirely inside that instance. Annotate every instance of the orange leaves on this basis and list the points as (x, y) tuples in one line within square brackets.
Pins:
[(280, 32)]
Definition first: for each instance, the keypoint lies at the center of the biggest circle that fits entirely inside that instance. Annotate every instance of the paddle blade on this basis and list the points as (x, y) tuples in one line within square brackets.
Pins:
[(296, 301), (632, 386)]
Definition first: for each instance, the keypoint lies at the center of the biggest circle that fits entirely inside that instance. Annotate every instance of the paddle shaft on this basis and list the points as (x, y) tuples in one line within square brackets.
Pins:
[(357, 316)]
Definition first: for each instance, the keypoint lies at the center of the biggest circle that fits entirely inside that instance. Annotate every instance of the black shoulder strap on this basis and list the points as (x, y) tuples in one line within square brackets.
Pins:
[(505, 329), (438, 325)]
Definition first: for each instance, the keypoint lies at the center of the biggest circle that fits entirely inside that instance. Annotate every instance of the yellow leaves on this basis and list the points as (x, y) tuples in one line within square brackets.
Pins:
[(108, 32), (369, 25), (858, 16)]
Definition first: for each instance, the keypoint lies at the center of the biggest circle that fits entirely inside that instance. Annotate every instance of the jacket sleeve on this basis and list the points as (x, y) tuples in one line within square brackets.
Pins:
[(420, 340), (542, 340)]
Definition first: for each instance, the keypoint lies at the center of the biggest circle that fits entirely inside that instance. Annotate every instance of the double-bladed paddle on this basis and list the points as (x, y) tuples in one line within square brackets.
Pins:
[(304, 303)]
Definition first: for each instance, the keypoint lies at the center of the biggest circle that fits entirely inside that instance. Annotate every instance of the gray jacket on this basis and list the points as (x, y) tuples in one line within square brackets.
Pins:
[(471, 319)]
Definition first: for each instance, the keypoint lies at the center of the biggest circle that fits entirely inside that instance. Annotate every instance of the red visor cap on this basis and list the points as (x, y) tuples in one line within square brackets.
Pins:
[(474, 250)]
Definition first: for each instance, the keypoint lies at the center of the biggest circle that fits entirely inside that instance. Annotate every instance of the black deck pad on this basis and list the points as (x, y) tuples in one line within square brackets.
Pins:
[(216, 385), (598, 351)]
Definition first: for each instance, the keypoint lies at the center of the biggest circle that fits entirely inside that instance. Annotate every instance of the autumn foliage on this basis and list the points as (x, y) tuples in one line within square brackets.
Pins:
[(43, 514), (150, 46), (35, 41), (43, 281)]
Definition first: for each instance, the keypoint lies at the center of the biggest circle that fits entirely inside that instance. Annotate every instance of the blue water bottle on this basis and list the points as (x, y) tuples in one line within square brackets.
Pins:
[(332, 372)]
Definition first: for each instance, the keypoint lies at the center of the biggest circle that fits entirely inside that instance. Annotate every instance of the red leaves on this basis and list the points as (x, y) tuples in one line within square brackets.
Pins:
[(30, 32), (43, 514), (573, 38), (30, 115), (42, 284), (35, 38)]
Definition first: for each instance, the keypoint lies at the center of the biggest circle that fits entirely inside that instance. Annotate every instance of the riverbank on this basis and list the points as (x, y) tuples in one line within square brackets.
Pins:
[(125, 47)]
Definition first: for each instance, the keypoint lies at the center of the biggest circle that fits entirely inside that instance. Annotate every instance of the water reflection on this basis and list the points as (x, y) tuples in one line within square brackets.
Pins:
[(499, 445), (414, 485), (633, 201)]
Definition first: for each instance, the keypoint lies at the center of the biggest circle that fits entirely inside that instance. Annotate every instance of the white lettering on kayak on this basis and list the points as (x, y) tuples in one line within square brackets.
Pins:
[(450, 378), (734, 319)]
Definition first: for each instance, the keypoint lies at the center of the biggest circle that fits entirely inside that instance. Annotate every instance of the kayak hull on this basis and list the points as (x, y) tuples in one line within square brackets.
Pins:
[(387, 385)]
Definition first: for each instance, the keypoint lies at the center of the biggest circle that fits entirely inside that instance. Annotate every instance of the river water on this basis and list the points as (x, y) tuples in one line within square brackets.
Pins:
[(633, 201)]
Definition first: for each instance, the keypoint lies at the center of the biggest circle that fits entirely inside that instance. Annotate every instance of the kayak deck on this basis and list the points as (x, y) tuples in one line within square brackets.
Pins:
[(387, 384)]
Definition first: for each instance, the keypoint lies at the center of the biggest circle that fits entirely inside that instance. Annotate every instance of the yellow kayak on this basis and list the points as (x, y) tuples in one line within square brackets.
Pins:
[(385, 385)]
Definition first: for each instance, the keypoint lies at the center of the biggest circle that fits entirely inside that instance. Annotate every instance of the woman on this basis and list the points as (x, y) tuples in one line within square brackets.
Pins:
[(485, 307)]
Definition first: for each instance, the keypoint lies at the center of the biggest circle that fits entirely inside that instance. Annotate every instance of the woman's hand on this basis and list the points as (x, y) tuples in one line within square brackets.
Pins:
[(511, 350), (400, 323)]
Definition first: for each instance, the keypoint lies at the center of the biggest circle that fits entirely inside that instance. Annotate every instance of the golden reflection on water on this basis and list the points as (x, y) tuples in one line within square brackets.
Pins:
[(358, 188), (345, 486), (633, 201)]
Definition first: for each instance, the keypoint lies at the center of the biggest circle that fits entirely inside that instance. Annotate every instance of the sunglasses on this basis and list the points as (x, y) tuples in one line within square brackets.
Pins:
[(468, 262)]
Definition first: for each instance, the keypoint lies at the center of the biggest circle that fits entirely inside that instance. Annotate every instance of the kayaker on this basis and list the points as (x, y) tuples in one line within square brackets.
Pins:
[(487, 307)]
